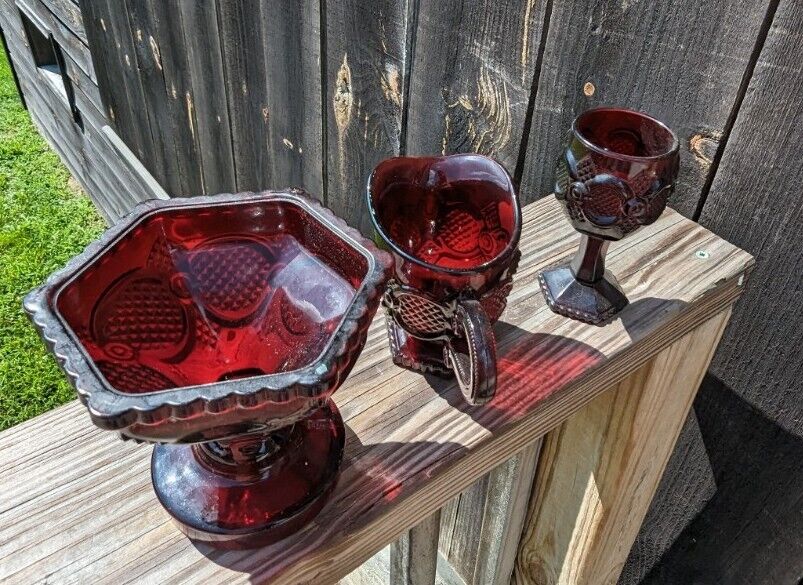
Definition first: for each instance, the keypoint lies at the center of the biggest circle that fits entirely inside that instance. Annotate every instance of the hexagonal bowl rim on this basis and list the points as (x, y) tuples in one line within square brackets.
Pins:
[(113, 410)]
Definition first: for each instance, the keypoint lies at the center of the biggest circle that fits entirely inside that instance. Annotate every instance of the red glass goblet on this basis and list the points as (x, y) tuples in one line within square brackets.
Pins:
[(615, 175), (219, 327), (453, 225)]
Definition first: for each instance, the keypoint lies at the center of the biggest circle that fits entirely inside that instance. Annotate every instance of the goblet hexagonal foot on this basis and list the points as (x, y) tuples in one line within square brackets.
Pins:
[(253, 491), (593, 303)]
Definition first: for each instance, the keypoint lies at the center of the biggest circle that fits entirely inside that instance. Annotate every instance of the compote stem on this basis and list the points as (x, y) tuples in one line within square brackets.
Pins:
[(243, 457), (588, 265)]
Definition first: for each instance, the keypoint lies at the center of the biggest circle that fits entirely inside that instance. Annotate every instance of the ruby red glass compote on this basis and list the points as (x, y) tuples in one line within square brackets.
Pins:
[(222, 325)]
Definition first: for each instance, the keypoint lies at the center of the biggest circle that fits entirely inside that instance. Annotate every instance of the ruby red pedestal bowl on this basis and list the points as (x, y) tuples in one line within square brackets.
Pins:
[(219, 327)]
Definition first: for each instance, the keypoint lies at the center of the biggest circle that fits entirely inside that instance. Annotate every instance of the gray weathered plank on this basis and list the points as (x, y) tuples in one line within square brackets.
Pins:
[(166, 41), (291, 53), (246, 89), (414, 556), (199, 29), (146, 185), (481, 527), (152, 77), (50, 114), (69, 13), (376, 571), (680, 60), (119, 83), (11, 66), (366, 65), (508, 495), (146, 86), (750, 532), (471, 75), (271, 52), (65, 37), (755, 201)]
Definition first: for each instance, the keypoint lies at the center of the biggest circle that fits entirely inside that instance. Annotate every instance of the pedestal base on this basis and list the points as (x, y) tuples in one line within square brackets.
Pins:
[(591, 303), (251, 492)]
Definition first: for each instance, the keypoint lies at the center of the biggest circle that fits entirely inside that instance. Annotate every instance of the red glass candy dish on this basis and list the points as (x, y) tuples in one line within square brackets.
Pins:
[(221, 325)]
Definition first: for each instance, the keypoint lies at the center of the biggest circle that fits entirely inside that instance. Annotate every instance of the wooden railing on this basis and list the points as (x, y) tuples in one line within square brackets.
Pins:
[(607, 404)]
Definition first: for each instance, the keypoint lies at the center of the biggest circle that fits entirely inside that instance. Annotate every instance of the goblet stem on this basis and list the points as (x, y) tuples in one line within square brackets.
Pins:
[(588, 265)]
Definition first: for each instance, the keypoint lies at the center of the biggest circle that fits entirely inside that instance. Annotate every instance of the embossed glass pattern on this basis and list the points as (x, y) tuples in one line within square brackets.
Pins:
[(615, 175), (453, 224), (223, 325)]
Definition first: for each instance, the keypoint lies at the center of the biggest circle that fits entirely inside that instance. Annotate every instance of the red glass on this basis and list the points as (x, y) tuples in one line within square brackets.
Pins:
[(223, 324), (614, 176), (453, 224)]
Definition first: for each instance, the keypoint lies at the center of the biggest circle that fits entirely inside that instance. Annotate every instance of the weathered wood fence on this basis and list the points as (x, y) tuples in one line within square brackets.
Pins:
[(226, 95)]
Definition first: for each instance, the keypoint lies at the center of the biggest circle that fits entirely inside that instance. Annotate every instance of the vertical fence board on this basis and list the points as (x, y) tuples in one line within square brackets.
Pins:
[(246, 87), (271, 51), (291, 49), (755, 202), (680, 60), (472, 70), (752, 416), (115, 21), (366, 44), (153, 86), (414, 556), (118, 107), (168, 43), (199, 29), (481, 528)]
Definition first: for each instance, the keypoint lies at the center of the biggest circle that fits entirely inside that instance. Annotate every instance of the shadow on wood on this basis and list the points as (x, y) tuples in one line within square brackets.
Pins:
[(533, 357), (599, 470), (755, 517)]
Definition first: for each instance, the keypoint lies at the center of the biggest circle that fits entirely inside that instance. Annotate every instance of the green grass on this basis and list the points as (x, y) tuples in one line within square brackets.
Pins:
[(44, 220)]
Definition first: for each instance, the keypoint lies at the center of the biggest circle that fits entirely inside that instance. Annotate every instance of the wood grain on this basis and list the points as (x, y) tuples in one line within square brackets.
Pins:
[(145, 185), (760, 358), (414, 556), (169, 121), (69, 13), (686, 487), (679, 60), (366, 69), (120, 81), (246, 90), (207, 100), (376, 571), (600, 468), (750, 530), (78, 503), (480, 529), (291, 53), (471, 75), (271, 53), (504, 515)]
